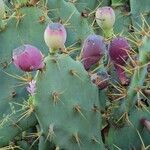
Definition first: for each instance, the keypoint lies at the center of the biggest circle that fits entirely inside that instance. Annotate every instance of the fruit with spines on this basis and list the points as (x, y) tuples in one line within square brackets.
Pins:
[(93, 50), (119, 50)]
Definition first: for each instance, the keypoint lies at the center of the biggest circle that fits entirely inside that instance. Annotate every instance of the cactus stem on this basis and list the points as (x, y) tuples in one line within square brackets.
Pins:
[(108, 33)]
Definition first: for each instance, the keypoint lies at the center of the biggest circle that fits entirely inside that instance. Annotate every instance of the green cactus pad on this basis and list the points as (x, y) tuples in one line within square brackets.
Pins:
[(132, 134), (67, 105)]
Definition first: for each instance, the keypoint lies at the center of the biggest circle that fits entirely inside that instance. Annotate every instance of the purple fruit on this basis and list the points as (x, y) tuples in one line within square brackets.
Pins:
[(145, 123), (100, 79), (105, 17), (92, 51), (55, 36), (28, 58), (118, 52)]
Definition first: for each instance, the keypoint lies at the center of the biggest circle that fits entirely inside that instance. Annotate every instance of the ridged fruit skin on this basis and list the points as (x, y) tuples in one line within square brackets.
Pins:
[(92, 51), (28, 58), (55, 36), (105, 17)]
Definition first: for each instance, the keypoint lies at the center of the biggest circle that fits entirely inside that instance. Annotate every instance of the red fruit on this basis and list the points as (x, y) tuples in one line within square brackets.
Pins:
[(28, 58), (93, 50), (118, 52)]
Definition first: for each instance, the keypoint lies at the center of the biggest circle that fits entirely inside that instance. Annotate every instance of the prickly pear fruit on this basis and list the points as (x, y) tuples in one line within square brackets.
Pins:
[(100, 79), (55, 36), (2, 9), (28, 58), (92, 51), (145, 123), (119, 52), (105, 18)]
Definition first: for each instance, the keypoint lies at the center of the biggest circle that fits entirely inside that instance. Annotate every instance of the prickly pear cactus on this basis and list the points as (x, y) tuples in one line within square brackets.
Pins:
[(74, 74)]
